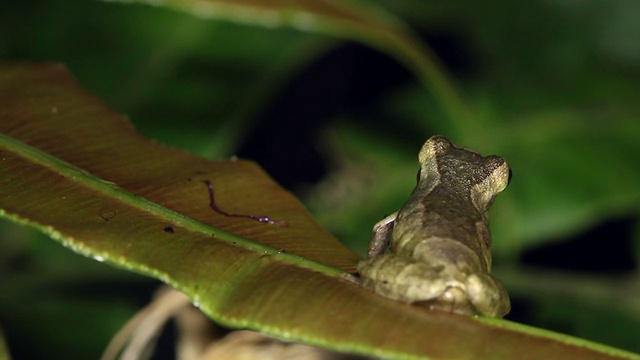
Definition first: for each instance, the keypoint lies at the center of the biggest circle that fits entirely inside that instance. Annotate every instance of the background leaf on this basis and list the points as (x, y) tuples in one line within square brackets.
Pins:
[(4, 352), (353, 19)]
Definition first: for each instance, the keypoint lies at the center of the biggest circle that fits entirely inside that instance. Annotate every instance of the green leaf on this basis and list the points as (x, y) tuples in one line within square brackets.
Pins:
[(4, 351), (172, 179), (353, 19), (79, 172)]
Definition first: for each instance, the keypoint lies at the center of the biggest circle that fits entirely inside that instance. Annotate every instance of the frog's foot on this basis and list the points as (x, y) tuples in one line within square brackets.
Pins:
[(488, 295), (479, 295), (453, 299), (442, 287), (352, 278), (476, 294)]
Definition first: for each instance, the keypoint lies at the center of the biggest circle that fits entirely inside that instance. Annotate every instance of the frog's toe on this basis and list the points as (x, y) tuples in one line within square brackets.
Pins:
[(453, 299), (489, 295)]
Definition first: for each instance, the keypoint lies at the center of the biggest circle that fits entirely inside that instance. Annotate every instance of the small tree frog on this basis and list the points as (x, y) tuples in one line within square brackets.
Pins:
[(439, 254)]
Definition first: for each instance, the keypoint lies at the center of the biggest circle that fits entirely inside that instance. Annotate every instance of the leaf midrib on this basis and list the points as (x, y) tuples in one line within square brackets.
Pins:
[(112, 190)]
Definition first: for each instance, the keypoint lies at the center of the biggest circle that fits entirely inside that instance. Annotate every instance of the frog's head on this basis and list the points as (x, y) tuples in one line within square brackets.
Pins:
[(498, 176), (463, 171)]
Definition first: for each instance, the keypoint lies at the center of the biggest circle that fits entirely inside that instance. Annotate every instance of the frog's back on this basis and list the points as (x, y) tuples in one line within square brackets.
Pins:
[(440, 239)]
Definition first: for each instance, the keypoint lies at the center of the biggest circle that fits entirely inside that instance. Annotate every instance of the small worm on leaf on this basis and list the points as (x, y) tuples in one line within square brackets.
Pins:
[(260, 218)]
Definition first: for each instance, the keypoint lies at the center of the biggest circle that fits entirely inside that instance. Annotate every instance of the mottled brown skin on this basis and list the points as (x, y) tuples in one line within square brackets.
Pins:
[(440, 241)]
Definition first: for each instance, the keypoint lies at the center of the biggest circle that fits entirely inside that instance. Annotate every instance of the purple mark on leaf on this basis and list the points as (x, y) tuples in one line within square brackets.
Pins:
[(261, 218)]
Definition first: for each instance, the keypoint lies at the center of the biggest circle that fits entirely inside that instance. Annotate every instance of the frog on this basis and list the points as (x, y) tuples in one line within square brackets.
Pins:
[(435, 251)]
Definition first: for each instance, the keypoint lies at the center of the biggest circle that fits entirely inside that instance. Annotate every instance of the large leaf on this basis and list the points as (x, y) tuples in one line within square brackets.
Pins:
[(79, 172), (110, 150)]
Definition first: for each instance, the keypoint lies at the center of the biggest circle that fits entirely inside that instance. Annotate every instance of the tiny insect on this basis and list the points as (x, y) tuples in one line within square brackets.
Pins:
[(168, 229), (260, 218)]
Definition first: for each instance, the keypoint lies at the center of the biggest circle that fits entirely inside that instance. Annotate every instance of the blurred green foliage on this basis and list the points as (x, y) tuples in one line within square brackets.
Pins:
[(552, 86)]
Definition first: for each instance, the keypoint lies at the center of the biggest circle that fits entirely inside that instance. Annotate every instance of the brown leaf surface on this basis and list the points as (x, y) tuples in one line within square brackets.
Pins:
[(50, 112)]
